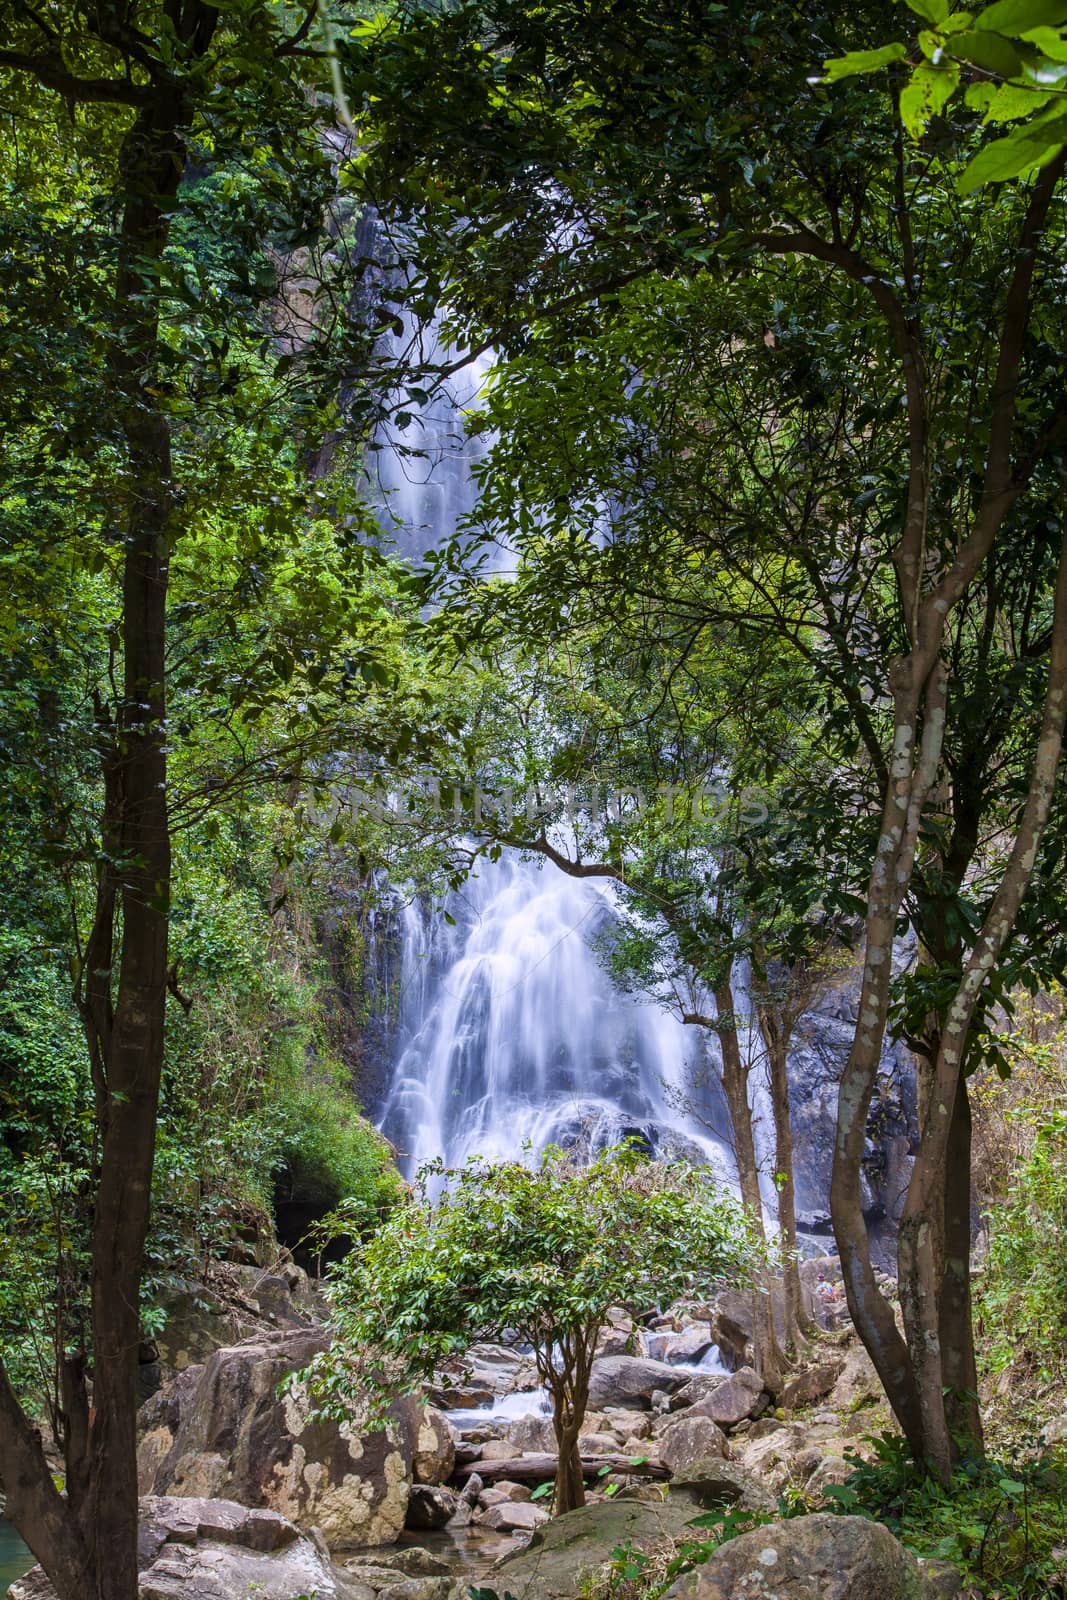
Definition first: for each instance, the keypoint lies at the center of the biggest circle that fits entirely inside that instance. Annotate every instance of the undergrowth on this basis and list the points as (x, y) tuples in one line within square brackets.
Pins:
[(1002, 1524)]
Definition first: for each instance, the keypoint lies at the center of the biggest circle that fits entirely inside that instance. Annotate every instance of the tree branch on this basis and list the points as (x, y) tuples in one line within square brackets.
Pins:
[(50, 71)]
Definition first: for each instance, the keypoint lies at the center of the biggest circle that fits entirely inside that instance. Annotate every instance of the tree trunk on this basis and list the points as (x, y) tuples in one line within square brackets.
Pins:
[(567, 1371), (570, 1479), (923, 1253), (797, 1323), (88, 1542), (133, 1045), (957, 1325), (767, 1352)]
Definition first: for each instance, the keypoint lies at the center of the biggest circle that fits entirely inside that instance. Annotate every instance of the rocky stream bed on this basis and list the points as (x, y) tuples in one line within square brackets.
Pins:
[(246, 1492)]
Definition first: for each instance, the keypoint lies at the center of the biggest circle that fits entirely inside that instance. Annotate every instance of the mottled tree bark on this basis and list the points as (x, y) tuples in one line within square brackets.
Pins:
[(928, 1220), (565, 1367), (777, 1017)]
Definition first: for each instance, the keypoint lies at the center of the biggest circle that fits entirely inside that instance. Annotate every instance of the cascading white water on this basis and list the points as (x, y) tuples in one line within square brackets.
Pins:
[(509, 1032)]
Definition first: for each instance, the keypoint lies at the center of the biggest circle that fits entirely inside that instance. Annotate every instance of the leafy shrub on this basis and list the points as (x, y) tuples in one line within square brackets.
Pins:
[(1022, 1301), (1002, 1523), (542, 1250)]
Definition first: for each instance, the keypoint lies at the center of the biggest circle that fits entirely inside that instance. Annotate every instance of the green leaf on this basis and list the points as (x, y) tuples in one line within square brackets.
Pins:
[(859, 61), (988, 50), (1019, 16), (1013, 101), (1017, 152), (1053, 45), (925, 94), (980, 96), (934, 11)]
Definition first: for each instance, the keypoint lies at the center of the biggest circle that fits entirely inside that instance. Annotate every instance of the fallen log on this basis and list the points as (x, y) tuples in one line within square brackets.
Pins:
[(541, 1468)]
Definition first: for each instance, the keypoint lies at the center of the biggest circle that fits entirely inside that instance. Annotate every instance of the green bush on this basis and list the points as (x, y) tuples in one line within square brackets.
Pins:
[(328, 1152), (1022, 1301), (1003, 1523)]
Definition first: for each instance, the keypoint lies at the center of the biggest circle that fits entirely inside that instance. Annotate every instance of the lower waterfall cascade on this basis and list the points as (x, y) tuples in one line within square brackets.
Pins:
[(510, 1034)]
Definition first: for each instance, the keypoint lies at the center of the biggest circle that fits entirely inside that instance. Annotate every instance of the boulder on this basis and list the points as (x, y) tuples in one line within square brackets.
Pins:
[(205, 1549), (628, 1424), (631, 1381), (531, 1434), (699, 1386), (491, 1367), (514, 1516), (811, 1385), (770, 1459), (412, 1562), (418, 1589), (830, 1469), (434, 1460), (857, 1384), (512, 1491), (372, 1578), (598, 1444), (461, 1396), (731, 1324), (821, 1557), (713, 1482), (562, 1551), (614, 1342), (738, 1396), (690, 1346), (236, 1439), (1055, 1432), (430, 1506), (499, 1450), (687, 1440)]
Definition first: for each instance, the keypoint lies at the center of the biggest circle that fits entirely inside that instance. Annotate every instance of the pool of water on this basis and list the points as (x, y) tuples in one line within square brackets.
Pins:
[(15, 1558)]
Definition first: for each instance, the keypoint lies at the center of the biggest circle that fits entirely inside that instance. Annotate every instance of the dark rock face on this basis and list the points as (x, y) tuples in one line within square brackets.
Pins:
[(221, 1431), (822, 1557), (739, 1396), (240, 1302), (818, 1052), (431, 1506)]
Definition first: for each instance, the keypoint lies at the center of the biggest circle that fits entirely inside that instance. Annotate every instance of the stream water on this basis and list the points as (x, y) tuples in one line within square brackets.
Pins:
[(15, 1557)]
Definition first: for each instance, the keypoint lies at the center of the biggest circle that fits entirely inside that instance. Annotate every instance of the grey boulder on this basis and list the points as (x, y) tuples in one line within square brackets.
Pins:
[(631, 1381), (204, 1549), (228, 1434), (822, 1557)]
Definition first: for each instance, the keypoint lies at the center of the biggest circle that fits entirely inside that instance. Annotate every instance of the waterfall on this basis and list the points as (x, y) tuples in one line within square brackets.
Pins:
[(509, 1034)]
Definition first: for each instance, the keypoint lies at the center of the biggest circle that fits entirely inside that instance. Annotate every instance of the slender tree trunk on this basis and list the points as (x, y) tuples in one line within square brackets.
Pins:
[(87, 1542), (776, 1038), (768, 1353), (922, 1251), (568, 1384), (957, 1323), (133, 1047)]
